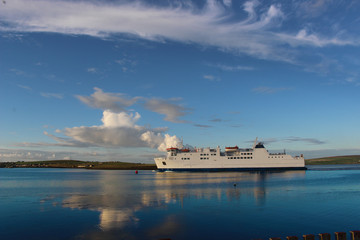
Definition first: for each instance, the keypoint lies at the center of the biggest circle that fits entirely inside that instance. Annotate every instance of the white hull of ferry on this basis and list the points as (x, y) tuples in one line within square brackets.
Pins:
[(206, 159)]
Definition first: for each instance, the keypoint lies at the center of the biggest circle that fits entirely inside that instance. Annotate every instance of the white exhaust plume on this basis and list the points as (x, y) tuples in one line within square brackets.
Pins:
[(170, 141), (162, 142)]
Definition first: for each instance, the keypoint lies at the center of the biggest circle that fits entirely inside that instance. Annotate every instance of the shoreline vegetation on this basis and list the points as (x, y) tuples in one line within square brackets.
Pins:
[(79, 164), (353, 159), (350, 159)]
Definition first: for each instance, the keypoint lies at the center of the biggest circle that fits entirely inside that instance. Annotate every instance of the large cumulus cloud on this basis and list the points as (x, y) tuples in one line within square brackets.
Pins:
[(121, 130)]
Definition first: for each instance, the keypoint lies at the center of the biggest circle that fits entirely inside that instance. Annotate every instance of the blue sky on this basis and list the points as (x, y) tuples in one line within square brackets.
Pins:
[(123, 80)]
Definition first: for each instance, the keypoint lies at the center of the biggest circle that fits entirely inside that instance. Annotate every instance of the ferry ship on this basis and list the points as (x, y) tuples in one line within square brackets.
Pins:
[(256, 158)]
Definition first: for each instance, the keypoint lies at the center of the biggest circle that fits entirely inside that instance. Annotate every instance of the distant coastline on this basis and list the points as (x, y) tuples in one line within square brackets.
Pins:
[(79, 164), (353, 159)]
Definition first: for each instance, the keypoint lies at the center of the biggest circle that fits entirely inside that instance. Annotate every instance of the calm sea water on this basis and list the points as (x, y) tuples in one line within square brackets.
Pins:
[(92, 204)]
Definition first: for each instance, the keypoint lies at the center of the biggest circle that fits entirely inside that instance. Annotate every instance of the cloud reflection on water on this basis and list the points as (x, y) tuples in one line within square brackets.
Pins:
[(124, 199)]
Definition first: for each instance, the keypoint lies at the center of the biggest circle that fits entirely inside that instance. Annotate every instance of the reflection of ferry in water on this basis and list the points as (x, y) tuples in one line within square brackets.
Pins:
[(256, 158)]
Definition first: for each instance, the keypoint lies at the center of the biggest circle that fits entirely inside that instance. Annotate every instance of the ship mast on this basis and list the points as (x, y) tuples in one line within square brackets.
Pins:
[(255, 143)]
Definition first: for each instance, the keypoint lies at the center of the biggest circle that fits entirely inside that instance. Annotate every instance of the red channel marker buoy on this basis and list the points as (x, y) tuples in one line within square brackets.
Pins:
[(136, 172)]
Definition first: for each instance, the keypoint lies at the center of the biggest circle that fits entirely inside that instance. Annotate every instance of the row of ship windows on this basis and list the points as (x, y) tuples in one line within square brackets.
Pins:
[(214, 154), (206, 158)]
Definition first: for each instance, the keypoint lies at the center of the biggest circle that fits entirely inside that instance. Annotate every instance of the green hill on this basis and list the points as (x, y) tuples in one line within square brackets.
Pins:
[(352, 159)]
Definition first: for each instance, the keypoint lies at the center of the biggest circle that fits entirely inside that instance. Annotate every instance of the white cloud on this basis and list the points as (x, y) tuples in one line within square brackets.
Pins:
[(118, 130), (161, 141), (115, 102), (107, 136), (170, 141), (303, 37), (258, 35), (121, 119), (61, 141), (169, 108)]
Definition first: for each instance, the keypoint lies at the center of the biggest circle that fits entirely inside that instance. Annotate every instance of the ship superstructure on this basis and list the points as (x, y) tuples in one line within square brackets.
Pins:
[(234, 158)]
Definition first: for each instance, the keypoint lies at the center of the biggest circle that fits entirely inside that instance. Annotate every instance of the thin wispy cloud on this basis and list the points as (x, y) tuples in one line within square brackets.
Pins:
[(212, 78), (308, 140), (127, 64), (211, 25), (202, 126), (236, 125), (312, 141), (269, 90), (234, 112), (92, 70), (52, 95), (311, 9), (19, 72), (232, 68), (216, 120), (24, 87), (304, 37), (63, 142)]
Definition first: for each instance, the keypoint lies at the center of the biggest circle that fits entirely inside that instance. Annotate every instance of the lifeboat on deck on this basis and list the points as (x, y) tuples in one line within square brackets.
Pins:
[(231, 149), (185, 150), (172, 149)]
